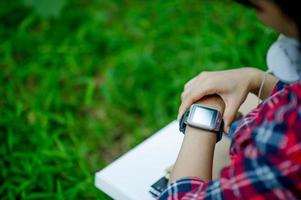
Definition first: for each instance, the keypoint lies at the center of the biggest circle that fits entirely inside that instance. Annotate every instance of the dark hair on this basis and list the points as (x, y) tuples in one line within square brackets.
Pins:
[(290, 8)]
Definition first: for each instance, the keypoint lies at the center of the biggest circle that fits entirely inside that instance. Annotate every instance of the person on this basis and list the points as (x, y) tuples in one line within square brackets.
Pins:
[(266, 147)]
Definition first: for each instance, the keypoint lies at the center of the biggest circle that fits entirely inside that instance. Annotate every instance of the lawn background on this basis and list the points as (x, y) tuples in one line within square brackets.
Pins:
[(84, 81)]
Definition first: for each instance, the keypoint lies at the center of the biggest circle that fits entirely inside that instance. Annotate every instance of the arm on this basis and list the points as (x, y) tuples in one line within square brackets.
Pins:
[(265, 161), (196, 154), (202, 143), (257, 78)]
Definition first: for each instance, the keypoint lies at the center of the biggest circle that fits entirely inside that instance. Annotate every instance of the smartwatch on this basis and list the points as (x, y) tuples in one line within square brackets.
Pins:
[(203, 117)]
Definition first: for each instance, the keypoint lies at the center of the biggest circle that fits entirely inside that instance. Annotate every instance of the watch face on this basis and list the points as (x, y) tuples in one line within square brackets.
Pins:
[(202, 117)]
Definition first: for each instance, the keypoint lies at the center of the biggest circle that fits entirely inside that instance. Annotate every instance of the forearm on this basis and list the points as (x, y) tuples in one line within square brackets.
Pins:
[(257, 77), (196, 155)]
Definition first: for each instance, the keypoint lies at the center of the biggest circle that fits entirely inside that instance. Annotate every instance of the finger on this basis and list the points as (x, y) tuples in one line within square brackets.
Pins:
[(229, 115), (185, 93), (182, 109), (190, 83), (201, 77), (192, 96), (184, 96)]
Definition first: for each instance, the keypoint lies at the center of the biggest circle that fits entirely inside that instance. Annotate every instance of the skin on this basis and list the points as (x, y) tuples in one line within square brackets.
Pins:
[(248, 80), (229, 89)]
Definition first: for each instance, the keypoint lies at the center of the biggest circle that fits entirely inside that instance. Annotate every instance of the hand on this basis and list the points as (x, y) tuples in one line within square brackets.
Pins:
[(213, 101), (232, 86)]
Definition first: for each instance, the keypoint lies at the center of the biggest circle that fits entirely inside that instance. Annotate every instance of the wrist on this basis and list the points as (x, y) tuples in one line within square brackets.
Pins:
[(213, 101), (204, 117), (255, 78), (208, 137)]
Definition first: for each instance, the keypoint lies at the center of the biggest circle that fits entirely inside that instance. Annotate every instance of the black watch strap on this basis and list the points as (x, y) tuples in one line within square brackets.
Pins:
[(183, 121), (182, 126)]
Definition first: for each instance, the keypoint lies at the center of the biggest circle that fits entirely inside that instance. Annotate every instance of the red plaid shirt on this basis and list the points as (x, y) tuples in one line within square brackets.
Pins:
[(265, 155)]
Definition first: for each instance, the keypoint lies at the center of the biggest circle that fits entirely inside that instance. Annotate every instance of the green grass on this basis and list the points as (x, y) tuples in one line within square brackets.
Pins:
[(80, 89)]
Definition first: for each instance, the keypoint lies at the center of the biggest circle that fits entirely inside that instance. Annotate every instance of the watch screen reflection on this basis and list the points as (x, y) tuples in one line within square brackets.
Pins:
[(202, 116)]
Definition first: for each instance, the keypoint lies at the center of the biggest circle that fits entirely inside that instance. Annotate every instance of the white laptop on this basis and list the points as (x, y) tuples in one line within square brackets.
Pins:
[(130, 177)]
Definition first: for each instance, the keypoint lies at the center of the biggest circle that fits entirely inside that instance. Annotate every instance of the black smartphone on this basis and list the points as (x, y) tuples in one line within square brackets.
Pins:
[(158, 187)]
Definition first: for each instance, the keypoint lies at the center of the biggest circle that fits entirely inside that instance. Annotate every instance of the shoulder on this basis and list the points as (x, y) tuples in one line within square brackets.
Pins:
[(284, 103), (280, 123)]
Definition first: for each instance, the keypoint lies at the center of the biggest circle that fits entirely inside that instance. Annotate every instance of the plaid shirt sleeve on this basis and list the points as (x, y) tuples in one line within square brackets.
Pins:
[(265, 155)]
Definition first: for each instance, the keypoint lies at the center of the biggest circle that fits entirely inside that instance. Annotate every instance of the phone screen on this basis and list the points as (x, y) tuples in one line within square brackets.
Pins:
[(158, 187)]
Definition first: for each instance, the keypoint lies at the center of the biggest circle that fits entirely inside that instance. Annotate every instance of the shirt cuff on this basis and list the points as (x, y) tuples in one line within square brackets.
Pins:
[(181, 187)]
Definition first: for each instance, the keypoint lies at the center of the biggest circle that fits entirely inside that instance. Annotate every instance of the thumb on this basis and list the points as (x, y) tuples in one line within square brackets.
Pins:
[(229, 115)]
